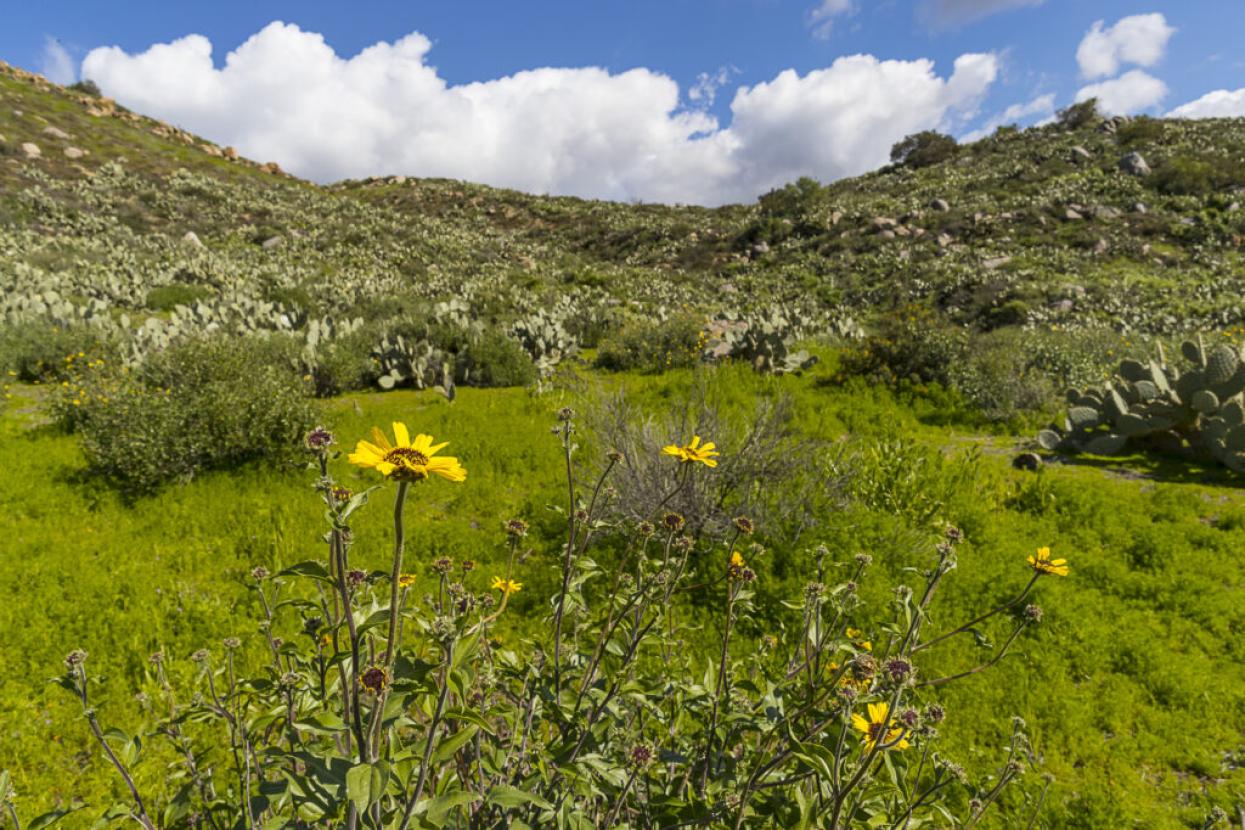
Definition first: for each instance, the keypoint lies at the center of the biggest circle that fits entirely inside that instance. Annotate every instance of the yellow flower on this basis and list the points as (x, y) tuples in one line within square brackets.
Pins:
[(1043, 564), (507, 586), (694, 451), (406, 580), (873, 727), (737, 559), (404, 459)]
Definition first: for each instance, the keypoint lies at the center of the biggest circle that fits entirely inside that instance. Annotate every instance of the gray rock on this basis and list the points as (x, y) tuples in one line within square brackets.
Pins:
[(1071, 214), (74, 153), (1101, 247), (55, 132), (995, 262), (887, 234), (1081, 152), (1234, 207), (273, 242), (883, 223), (31, 150), (191, 239), (1140, 207), (940, 205), (1063, 306), (761, 248), (1075, 290), (1134, 164), (1106, 212), (944, 240)]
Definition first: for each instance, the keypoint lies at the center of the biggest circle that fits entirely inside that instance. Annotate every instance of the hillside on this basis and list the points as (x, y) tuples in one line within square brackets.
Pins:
[(1039, 226)]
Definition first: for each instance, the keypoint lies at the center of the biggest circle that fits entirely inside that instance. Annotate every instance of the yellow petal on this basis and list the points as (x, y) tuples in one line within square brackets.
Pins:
[(401, 437), (877, 712), (860, 724), (709, 462), (384, 467), (381, 440)]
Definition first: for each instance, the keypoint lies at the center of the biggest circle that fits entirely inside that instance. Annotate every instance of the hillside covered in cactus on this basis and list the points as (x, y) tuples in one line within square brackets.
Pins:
[(143, 231)]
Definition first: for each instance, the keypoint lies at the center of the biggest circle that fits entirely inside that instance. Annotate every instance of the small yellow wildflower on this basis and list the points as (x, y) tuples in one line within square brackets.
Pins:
[(406, 580), (737, 559), (507, 586), (404, 459), (854, 635), (873, 727), (694, 452), (1043, 564)]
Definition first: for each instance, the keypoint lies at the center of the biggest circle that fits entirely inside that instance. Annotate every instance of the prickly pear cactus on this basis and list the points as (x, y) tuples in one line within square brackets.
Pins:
[(764, 341), (1199, 411)]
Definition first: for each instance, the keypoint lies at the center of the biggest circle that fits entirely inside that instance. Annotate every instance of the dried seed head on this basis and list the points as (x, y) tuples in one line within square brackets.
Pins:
[(75, 658), (231, 643), (615, 456), (645, 529), (581, 515), (672, 522), (814, 592), (683, 544), (641, 754), (341, 495), (899, 670), (468, 565), (1033, 613), (356, 577), (954, 534), (156, 658), (848, 693), (201, 656), (374, 680), (863, 667), (289, 680), (259, 573), (864, 559), (744, 525), (516, 528), (849, 587), (910, 718), (565, 414), (934, 713), (443, 565), (319, 439)]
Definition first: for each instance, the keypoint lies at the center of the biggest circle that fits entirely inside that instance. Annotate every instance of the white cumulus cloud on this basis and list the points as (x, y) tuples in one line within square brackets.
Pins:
[(56, 64), (1133, 91), (1221, 103), (1140, 39), (285, 95)]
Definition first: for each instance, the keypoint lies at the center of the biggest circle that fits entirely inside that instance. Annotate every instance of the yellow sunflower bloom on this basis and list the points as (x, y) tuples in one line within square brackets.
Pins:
[(506, 586), (406, 580), (1043, 564), (404, 459), (694, 451), (873, 726), (737, 559)]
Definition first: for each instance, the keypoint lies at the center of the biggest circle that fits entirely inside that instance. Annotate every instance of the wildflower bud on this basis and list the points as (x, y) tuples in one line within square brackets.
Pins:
[(864, 559), (899, 669), (645, 529), (847, 693), (319, 439), (374, 680), (813, 592), (954, 534), (935, 713), (672, 522), (863, 667), (944, 549), (516, 528), (910, 718), (769, 642), (443, 629), (156, 658), (201, 656), (231, 643), (614, 456), (468, 565), (581, 515), (312, 625), (744, 525), (756, 549), (974, 806), (341, 495), (259, 573), (641, 754), (277, 642), (565, 414), (953, 769), (1033, 613), (1015, 768), (289, 680), (356, 577), (683, 544), (75, 658), (455, 590), (443, 565), (748, 575), (849, 587), (1217, 816), (1018, 722), (487, 601)]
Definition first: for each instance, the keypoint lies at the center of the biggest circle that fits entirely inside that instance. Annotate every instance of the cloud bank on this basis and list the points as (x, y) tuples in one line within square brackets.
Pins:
[(1222, 103), (1133, 91), (286, 95)]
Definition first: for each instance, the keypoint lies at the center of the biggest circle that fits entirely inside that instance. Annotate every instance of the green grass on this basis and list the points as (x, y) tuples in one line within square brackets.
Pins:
[(1133, 687)]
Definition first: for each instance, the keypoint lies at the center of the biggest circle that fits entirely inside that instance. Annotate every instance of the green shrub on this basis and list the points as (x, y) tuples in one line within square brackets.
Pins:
[(492, 359), (167, 297), (203, 404), (1079, 116), (649, 346), (346, 364), (1197, 175), (924, 149), (913, 343), (42, 350)]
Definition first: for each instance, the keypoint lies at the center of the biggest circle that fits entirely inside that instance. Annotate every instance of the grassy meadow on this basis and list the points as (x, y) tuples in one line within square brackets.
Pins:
[(1133, 686)]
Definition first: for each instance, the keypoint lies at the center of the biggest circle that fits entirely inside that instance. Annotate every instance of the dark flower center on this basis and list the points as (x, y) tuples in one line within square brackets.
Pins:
[(877, 732), (410, 463)]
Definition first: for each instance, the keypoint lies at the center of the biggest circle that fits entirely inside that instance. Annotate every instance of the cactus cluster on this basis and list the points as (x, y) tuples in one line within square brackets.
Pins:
[(417, 363), (544, 337), (1199, 410), (764, 341)]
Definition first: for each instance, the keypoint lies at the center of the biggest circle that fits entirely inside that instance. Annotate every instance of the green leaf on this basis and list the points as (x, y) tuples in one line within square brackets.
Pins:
[(310, 568), (438, 808), (509, 797), (49, 819), (446, 749), (365, 784)]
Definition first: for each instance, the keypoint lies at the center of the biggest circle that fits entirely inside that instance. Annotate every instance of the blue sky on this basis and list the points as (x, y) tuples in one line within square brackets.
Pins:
[(686, 148)]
